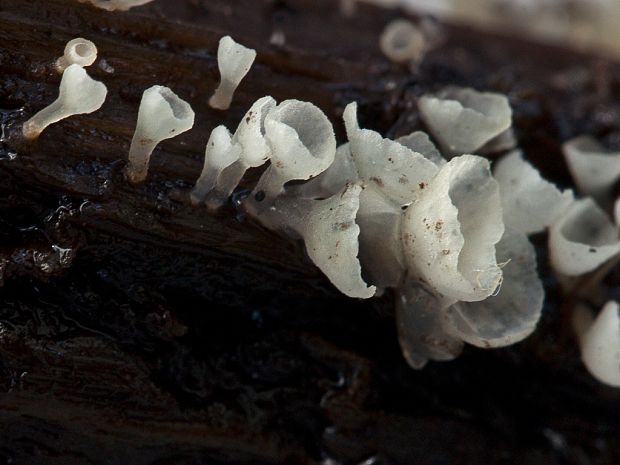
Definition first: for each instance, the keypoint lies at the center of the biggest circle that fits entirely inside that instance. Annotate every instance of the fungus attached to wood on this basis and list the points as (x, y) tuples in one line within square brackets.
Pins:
[(234, 61), (78, 51), (162, 115), (78, 94)]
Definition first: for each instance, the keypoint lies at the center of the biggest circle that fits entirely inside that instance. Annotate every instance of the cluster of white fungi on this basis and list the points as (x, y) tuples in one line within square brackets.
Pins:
[(440, 226)]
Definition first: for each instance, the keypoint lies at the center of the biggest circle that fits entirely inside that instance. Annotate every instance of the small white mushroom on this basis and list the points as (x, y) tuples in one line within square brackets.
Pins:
[(582, 239), (512, 313), (120, 5), (530, 203), (220, 153), (594, 170), (302, 144), (78, 94), (599, 341), (329, 232), (402, 41), (162, 115), (234, 61), (463, 119), (78, 51), (450, 232)]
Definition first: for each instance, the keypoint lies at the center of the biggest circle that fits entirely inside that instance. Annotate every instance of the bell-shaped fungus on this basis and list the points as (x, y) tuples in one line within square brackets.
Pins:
[(220, 153), (78, 94), (530, 203), (120, 5), (599, 341), (234, 61), (463, 119), (162, 115), (402, 41), (582, 239), (79, 51), (450, 232), (302, 144), (594, 170)]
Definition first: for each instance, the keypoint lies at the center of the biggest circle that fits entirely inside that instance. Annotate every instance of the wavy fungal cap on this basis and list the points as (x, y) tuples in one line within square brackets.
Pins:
[(78, 51), (78, 94), (463, 119), (234, 61), (162, 115)]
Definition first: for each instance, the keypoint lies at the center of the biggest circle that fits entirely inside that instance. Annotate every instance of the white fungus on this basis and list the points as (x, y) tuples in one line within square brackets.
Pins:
[(530, 203), (402, 41), (617, 211), (599, 341), (220, 153), (419, 142), (463, 119), (113, 5), (302, 144), (234, 61), (582, 239), (78, 94), (594, 169), (162, 115), (450, 232), (78, 51)]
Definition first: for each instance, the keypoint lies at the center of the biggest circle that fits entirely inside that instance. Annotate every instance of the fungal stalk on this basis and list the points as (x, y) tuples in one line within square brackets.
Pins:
[(234, 61), (162, 115), (78, 94), (79, 51)]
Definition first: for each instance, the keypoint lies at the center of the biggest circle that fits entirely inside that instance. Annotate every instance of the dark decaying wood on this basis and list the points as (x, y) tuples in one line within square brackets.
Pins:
[(135, 329)]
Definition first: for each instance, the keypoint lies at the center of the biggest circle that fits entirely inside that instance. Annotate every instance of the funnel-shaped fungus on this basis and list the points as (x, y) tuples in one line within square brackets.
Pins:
[(599, 341), (302, 144), (463, 119), (78, 94), (388, 166), (330, 234), (530, 203), (234, 61), (81, 52), (220, 153), (402, 41), (120, 5), (162, 115), (594, 170), (582, 239), (510, 315), (450, 232)]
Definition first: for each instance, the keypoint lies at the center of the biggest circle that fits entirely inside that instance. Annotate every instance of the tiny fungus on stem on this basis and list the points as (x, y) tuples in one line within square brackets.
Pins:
[(234, 61), (78, 94), (78, 51), (162, 115)]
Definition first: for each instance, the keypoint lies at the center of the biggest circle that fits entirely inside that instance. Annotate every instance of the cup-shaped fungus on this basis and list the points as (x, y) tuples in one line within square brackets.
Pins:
[(234, 61), (79, 51), (450, 232), (463, 119), (120, 5), (594, 170), (302, 144), (582, 239), (599, 341), (402, 41), (78, 94), (220, 153), (162, 115), (530, 203)]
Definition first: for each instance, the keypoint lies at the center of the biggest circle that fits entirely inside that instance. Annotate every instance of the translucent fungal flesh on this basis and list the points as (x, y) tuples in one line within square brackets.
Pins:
[(530, 203), (463, 119), (78, 94), (234, 61), (162, 115), (113, 5), (402, 41), (599, 341), (79, 51), (582, 239)]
